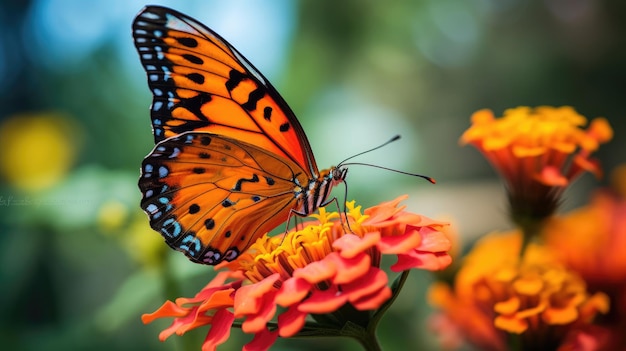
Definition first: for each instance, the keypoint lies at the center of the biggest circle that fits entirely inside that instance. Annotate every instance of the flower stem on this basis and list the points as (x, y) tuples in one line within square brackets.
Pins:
[(396, 287), (367, 339)]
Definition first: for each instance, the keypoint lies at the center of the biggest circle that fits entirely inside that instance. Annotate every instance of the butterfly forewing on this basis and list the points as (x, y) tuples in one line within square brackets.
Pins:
[(231, 161), (201, 83), (210, 195)]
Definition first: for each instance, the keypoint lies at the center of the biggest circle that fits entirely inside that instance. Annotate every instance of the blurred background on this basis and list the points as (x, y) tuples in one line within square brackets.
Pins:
[(78, 262)]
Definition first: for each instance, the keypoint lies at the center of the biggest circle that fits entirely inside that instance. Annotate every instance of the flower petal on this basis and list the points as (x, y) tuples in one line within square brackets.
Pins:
[(291, 321), (262, 341), (398, 244), (511, 324), (220, 330), (373, 281), (351, 245), (373, 300), (349, 269), (422, 260), (249, 298), (256, 322), (323, 301), (292, 291), (316, 272), (168, 309)]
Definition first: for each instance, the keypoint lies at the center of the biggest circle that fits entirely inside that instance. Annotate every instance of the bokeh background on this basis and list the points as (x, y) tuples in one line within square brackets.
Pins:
[(78, 262)]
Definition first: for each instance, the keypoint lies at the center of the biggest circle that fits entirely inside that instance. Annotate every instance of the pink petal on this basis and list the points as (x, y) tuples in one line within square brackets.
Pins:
[(291, 322), (552, 176), (434, 241), (349, 269), (262, 341), (400, 243), (325, 301), (351, 245), (220, 330), (373, 281), (257, 322), (422, 260), (293, 291), (373, 301), (316, 272), (249, 298)]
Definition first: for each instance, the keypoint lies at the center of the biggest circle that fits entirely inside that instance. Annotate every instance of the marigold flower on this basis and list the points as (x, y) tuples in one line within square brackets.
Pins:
[(592, 241), (538, 152), (497, 294), (322, 270)]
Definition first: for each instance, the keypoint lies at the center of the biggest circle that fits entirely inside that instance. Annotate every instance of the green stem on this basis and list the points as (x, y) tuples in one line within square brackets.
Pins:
[(531, 229), (396, 288), (367, 339)]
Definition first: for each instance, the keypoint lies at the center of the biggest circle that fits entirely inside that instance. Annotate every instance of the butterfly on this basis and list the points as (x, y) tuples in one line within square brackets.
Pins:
[(231, 160)]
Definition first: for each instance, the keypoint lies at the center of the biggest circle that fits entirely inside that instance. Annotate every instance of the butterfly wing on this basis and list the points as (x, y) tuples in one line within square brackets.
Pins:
[(211, 195), (201, 83)]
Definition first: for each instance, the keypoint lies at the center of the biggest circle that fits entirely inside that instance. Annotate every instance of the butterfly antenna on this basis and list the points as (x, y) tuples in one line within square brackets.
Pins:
[(394, 138), (430, 179)]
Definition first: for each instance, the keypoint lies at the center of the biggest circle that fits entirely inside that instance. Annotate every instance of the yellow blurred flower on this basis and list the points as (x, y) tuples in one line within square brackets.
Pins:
[(141, 243), (496, 294), (37, 150), (112, 215), (539, 152)]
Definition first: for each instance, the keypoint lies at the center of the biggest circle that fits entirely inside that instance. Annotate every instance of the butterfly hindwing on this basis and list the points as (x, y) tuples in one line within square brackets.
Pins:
[(201, 83), (210, 195)]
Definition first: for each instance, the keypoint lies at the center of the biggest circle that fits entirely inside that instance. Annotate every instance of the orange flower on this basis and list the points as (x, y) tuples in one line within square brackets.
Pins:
[(497, 294), (592, 241), (321, 270), (538, 152)]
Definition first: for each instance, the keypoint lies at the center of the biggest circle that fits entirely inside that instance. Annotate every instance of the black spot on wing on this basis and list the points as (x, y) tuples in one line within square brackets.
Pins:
[(196, 78), (188, 42), (254, 179), (254, 97), (193, 59), (205, 140), (267, 113), (194, 208), (209, 223), (284, 127), (234, 78)]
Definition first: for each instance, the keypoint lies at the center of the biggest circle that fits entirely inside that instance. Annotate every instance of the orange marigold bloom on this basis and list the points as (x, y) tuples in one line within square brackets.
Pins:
[(497, 294), (322, 270), (592, 241), (538, 152)]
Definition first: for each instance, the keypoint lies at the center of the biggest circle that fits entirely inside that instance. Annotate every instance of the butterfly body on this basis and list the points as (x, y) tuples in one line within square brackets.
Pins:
[(231, 161)]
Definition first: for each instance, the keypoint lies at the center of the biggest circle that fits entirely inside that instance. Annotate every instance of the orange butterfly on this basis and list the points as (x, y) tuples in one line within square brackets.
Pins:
[(231, 161)]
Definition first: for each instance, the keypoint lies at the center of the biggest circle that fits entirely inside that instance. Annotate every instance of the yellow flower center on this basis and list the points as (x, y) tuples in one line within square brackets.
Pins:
[(285, 253)]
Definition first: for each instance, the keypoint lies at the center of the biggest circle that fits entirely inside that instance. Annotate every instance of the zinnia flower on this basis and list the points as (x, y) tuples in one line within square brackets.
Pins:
[(498, 297), (322, 270), (592, 241), (538, 152)]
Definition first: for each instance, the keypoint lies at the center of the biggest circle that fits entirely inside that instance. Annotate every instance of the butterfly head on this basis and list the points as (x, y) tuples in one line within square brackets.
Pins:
[(337, 174)]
